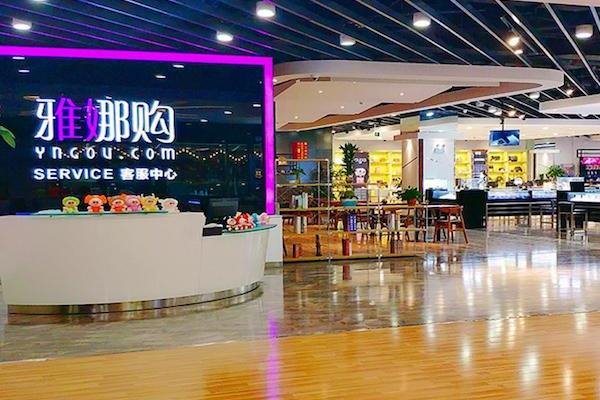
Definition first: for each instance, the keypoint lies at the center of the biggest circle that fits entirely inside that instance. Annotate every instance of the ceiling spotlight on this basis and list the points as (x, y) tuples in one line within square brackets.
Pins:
[(498, 113), (465, 111), (346, 40), (534, 95), (227, 112), (518, 52), (421, 20), (584, 31), (24, 71), (480, 104), (585, 115), (512, 113), (569, 92), (513, 40), (333, 131), (18, 58), (429, 114), (178, 66), (256, 105), (204, 120), (160, 76), (21, 25), (224, 37), (521, 116), (492, 109), (265, 9)]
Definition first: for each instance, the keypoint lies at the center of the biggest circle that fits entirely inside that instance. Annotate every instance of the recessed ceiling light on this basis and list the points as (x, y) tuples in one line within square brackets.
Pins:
[(512, 113), (320, 92), (429, 114), (469, 127), (224, 37), (265, 9), (534, 95), (160, 76), (24, 71), (295, 117), (421, 20), (401, 93), (178, 66), (203, 120), (513, 40), (545, 128), (518, 52), (19, 58), (569, 92), (555, 134), (584, 31), (21, 25), (342, 107), (227, 112), (256, 105), (346, 40)]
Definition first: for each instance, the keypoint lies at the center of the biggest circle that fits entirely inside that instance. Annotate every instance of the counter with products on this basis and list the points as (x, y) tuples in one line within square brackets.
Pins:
[(123, 262)]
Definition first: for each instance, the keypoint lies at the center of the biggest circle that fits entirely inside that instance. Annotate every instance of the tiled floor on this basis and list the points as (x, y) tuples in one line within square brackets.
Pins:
[(499, 275)]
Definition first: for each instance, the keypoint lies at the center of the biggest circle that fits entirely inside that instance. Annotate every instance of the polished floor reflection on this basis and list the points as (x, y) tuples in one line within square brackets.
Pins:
[(499, 275), (550, 357)]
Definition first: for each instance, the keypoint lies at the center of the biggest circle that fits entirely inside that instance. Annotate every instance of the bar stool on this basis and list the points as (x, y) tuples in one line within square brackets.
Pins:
[(450, 219)]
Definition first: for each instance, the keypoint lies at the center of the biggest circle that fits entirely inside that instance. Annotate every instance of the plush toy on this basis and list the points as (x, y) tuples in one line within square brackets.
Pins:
[(169, 205), (149, 203), (70, 204), (95, 202), (117, 204), (133, 203), (255, 220), (263, 218), (240, 222)]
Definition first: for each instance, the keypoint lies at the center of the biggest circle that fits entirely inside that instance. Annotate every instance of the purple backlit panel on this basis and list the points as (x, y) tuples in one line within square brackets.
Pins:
[(265, 62)]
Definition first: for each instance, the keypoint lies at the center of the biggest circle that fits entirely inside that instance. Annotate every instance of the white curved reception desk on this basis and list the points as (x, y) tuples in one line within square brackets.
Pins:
[(124, 262)]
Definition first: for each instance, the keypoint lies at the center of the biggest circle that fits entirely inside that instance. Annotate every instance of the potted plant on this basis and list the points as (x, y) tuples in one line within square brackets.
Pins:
[(555, 171), (297, 171), (7, 136), (411, 195), (348, 152)]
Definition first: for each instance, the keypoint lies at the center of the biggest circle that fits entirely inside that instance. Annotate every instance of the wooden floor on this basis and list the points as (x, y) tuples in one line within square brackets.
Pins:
[(518, 358)]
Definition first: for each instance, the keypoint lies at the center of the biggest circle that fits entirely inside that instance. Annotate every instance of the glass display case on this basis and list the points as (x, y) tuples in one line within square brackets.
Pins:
[(508, 195), (543, 194), (585, 197)]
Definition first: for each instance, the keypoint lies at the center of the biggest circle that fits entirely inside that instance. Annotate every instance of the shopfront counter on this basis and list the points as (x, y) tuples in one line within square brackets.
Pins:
[(123, 262)]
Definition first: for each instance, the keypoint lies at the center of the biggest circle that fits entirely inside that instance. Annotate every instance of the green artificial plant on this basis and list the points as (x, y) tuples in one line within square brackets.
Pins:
[(555, 171), (348, 152), (297, 171), (7, 136), (410, 194)]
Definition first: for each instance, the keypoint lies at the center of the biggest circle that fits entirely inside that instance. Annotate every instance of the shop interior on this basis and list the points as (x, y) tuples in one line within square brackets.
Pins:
[(355, 193)]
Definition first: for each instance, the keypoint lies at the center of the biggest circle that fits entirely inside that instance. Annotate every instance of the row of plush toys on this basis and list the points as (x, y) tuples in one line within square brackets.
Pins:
[(96, 203), (243, 221)]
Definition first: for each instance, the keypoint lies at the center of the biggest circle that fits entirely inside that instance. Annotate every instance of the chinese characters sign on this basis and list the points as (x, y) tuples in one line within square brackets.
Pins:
[(104, 129)]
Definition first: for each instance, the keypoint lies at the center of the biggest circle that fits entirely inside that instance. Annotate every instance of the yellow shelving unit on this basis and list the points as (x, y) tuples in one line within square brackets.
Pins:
[(463, 168), (504, 166), (384, 167)]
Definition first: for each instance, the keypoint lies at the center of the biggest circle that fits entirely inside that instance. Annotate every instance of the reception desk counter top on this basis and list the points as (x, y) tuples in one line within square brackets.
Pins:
[(93, 263)]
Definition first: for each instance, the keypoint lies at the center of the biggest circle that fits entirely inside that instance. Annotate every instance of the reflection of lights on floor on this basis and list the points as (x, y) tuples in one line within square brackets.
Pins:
[(580, 322), (529, 367), (567, 379)]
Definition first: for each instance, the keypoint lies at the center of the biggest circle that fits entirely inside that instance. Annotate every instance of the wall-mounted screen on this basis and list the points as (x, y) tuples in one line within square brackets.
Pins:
[(501, 138), (143, 123)]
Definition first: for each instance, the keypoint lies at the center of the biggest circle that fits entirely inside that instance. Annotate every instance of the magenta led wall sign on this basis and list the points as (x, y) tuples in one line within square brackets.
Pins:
[(94, 128)]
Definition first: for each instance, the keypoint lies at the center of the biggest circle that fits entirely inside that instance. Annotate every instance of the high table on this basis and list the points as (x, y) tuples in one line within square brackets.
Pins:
[(123, 262)]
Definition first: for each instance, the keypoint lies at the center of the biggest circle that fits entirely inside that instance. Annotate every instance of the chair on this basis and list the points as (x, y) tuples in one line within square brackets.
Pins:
[(450, 219)]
